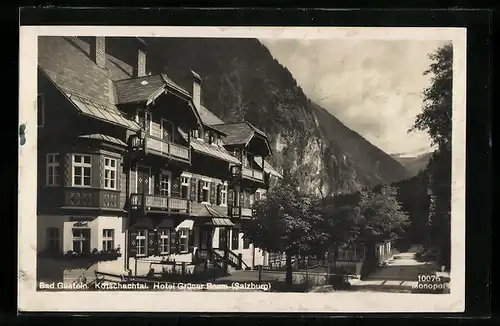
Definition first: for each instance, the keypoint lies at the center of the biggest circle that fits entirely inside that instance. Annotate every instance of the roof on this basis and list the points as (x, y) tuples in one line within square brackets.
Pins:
[(208, 211), (210, 150), (68, 63), (214, 151), (239, 133), (208, 117), (101, 111), (106, 138), (138, 89), (211, 119), (218, 221), (144, 89)]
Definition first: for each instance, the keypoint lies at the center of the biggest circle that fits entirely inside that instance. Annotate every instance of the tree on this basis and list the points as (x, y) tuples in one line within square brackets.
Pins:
[(436, 119), (340, 225), (380, 217), (284, 222)]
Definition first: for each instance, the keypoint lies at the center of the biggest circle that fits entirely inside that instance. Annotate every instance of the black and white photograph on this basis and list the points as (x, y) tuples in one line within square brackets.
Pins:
[(242, 164)]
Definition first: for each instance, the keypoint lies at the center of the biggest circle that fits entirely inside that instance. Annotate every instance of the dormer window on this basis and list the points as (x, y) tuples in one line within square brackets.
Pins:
[(213, 138)]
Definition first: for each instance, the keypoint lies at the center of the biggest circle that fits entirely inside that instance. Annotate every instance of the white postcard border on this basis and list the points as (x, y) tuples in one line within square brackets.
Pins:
[(31, 300)]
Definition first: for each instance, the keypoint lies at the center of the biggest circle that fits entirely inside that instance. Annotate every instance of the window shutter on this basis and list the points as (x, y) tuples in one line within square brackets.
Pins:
[(174, 242), (219, 195), (101, 170), (230, 197), (191, 241), (133, 243), (158, 242), (119, 170), (155, 183), (152, 243), (192, 190), (176, 186), (242, 198), (213, 193), (67, 170), (200, 191)]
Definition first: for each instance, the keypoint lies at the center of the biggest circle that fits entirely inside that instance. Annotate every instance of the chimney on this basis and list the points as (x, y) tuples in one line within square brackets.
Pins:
[(196, 90), (141, 63), (98, 51)]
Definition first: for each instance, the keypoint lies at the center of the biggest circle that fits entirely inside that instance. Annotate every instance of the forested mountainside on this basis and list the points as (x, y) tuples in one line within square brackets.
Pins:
[(413, 164), (242, 80)]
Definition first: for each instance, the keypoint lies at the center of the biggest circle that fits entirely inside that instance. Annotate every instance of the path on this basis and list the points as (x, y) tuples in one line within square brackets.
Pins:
[(403, 267)]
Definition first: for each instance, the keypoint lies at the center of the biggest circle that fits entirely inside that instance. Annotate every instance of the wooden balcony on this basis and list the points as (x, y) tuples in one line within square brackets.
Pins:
[(157, 146), (239, 212), (86, 198), (156, 203), (248, 174)]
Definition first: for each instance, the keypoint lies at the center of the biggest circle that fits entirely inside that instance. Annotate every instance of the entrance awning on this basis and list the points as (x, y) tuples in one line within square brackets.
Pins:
[(216, 222), (186, 224)]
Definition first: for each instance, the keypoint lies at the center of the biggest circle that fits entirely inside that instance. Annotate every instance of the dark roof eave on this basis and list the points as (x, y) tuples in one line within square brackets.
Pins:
[(215, 129)]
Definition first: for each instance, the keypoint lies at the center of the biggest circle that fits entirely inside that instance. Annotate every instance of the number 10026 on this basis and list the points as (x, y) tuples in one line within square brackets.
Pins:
[(428, 278)]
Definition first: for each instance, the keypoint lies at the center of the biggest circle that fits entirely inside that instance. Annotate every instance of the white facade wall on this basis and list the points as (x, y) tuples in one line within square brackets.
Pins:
[(69, 269)]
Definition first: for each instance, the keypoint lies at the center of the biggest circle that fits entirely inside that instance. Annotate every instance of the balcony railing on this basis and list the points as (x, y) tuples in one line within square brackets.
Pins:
[(239, 212), (167, 149), (247, 173), (90, 198), (159, 203)]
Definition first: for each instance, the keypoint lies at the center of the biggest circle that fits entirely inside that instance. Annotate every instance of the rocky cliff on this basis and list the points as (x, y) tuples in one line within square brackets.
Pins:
[(242, 80)]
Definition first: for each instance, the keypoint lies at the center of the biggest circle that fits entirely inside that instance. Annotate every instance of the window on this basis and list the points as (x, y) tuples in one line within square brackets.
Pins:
[(164, 241), (40, 109), (206, 136), (52, 170), (246, 243), (235, 239), (108, 236), (223, 195), (165, 184), (213, 138), (205, 191), (81, 170), (141, 242), (184, 240), (185, 187), (196, 133), (81, 240), (110, 173), (53, 239)]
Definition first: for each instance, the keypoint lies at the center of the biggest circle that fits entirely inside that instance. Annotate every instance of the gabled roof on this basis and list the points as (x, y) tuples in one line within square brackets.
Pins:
[(208, 117), (145, 89), (240, 133)]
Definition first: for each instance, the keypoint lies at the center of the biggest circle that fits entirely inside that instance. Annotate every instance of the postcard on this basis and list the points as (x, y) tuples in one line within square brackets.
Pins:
[(242, 169)]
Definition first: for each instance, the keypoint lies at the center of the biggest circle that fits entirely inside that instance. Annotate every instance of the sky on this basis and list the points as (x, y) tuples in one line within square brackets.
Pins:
[(373, 86)]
